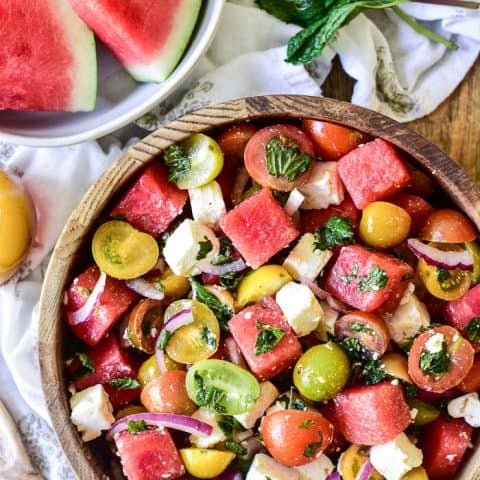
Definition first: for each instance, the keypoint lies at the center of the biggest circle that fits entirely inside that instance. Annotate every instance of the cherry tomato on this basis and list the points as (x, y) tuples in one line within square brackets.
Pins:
[(234, 139), (295, 437), (449, 226), (149, 368), (368, 328), (167, 393), (352, 461), (396, 365), (332, 141), (471, 383), (131, 409), (144, 324), (415, 206), (256, 155), (439, 371), (422, 184), (474, 249)]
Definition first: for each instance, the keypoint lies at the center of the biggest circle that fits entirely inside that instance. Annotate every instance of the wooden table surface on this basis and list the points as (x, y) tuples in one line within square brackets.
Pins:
[(454, 126)]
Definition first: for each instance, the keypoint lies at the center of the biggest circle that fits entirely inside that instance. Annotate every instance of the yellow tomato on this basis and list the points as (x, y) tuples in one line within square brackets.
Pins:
[(424, 412), (205, 463), (264, 281), (175, 286), (149, 368), (17, 221), (351, 462), (396, 365), (418, 473), (473, 248), (384, 224), (129, 410)]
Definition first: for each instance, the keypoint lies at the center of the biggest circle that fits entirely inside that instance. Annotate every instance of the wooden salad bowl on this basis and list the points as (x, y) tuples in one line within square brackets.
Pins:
[(52, 332)]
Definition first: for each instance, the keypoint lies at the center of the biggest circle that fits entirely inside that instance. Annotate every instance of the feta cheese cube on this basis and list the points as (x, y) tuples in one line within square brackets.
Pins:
[(264, 467), (434, 343), (183, 245), (300, 307), (268, 394), (324, 187), (217, 435), (466, 406), (91, 412), (405, 322), (319, 469), (207, 204), (329, 317), (304, 261), (396, 457)]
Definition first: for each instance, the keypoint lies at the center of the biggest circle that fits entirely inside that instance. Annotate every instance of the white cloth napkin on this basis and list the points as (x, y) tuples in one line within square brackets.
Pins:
[(397, 72)]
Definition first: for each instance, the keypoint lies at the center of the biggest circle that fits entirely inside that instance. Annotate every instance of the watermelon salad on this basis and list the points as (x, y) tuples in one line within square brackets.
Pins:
[(290, 301), (49, 55)]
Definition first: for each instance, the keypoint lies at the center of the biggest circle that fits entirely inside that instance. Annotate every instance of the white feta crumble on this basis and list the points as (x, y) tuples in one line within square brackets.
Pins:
[(330, 317), (91, 412), (300, 307), (268, 394), (319, 469), (396, 457), (207, 203), (264, 466), (217, 435), (466, 406), (434, 343)]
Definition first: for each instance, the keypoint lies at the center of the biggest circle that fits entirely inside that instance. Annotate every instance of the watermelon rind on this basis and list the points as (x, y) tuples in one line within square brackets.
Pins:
[(170, 54)]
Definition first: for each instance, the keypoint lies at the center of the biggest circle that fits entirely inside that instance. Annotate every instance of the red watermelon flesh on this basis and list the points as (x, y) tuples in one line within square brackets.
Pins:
[(259, 228), (47, 57), (459, 313), (147, 37), (149, 455)]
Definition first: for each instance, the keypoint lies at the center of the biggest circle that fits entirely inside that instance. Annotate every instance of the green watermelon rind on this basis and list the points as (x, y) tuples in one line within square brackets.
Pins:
[(163, 64)]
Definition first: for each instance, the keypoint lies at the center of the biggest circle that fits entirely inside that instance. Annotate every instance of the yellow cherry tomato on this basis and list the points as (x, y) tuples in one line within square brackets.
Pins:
[(129, 410), (474, 249), (396, 365), (174, 286), (351, 462), (384, 225), (205, 463), (222, 294), (424, 412), (149, 368), (17, 221), (418, 473), (260, 283), (122, 251), (197, 341)]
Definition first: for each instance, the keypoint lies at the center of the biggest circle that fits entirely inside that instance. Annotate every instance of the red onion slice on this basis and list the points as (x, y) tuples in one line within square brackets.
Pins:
[(334, 476), (317, 291), (234, 353), (162, 420), (229, 474), (295, 199), (182, 318), (462, 260), (365, 471), (85, 312), (235, 266), (145, 289), (337, 305), (158, 269)]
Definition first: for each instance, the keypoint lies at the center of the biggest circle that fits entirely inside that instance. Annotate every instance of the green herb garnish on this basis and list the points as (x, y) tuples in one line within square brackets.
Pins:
[(348, 279), (225, 254), (231, 280), (292, 400), (208, 337), (375, 280), (86, 365), (307, 424), (472, 330), (230, 425), (164, 339), (124, 383), (435, 363), (284, 158), (235, 447), (177, 161), (311, 449), (209, 397), (352, 347), (136, 426), (268, 338), (374, 373), (205, 248), (335, 231)]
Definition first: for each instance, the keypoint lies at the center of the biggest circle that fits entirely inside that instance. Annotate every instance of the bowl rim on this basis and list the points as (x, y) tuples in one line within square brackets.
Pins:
[(189, 60), (452, 179)]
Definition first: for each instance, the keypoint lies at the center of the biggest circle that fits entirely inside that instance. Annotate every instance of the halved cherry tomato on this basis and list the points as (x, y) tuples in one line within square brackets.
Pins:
[(295, 437), (167, 393), (452, 366), (396, 365), (415, 206), (234, 139), (449, 226), (352, 461), (332, 141), (474, 249), (368, 328), (471, 383), (144, 324), (149, 368), (256, 155)]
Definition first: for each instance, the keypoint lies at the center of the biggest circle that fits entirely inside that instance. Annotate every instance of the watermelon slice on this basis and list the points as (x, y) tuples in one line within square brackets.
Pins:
[(48, 57), (148, 38)]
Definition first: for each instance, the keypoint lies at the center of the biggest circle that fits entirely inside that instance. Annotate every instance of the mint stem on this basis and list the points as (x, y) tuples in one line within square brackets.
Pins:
[(424, 31)]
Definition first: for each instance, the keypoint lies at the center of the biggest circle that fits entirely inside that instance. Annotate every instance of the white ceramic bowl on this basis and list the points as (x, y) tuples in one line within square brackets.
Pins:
[(44, 129)]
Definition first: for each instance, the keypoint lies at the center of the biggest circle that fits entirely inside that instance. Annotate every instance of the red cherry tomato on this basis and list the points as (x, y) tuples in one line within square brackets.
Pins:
[(368, 328), (332, 141), (234, 139), (448, 226), (460, 354), (256, 156), (415, 206), (471, 383), (295, 437)]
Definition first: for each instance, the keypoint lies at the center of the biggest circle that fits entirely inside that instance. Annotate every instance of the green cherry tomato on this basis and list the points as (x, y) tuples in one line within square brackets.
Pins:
[(321, 372), (424, 412), (222, 387)]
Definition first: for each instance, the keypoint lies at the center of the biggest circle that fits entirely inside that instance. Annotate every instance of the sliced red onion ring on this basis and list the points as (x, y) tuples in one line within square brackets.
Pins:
[(235, 266), (295, 199), (317, 291), (229, 474), (165, 420), (210, 235), (158, 269), (334, 476), (86, 311), (337, 305), (234, 353), (462, 260), (365, 471), (239, 185), (145, 289), (184, 317)]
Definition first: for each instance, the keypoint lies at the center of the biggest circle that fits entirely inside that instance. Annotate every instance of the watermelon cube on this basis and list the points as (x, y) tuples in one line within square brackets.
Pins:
[(109, 361), (368, 280), (259, 228), (373, 171), (149, 455), (371, 414), (152, 202), (459, 313), (244, 329), (114, 301)]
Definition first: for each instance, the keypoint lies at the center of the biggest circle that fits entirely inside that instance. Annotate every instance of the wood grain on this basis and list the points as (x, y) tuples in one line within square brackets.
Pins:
[(51, 327)]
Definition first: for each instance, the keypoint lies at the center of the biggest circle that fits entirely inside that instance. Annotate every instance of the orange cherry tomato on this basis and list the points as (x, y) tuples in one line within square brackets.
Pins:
[(435, 373), (471, 383), (449, 226), (368, 328), (144, 324), (167, 393), (332, 141), (234, 139), (295, 437), (256, 156)]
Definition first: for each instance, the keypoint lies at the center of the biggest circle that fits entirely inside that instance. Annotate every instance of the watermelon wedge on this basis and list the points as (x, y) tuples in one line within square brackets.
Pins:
[(148, 37), (47, 57)]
